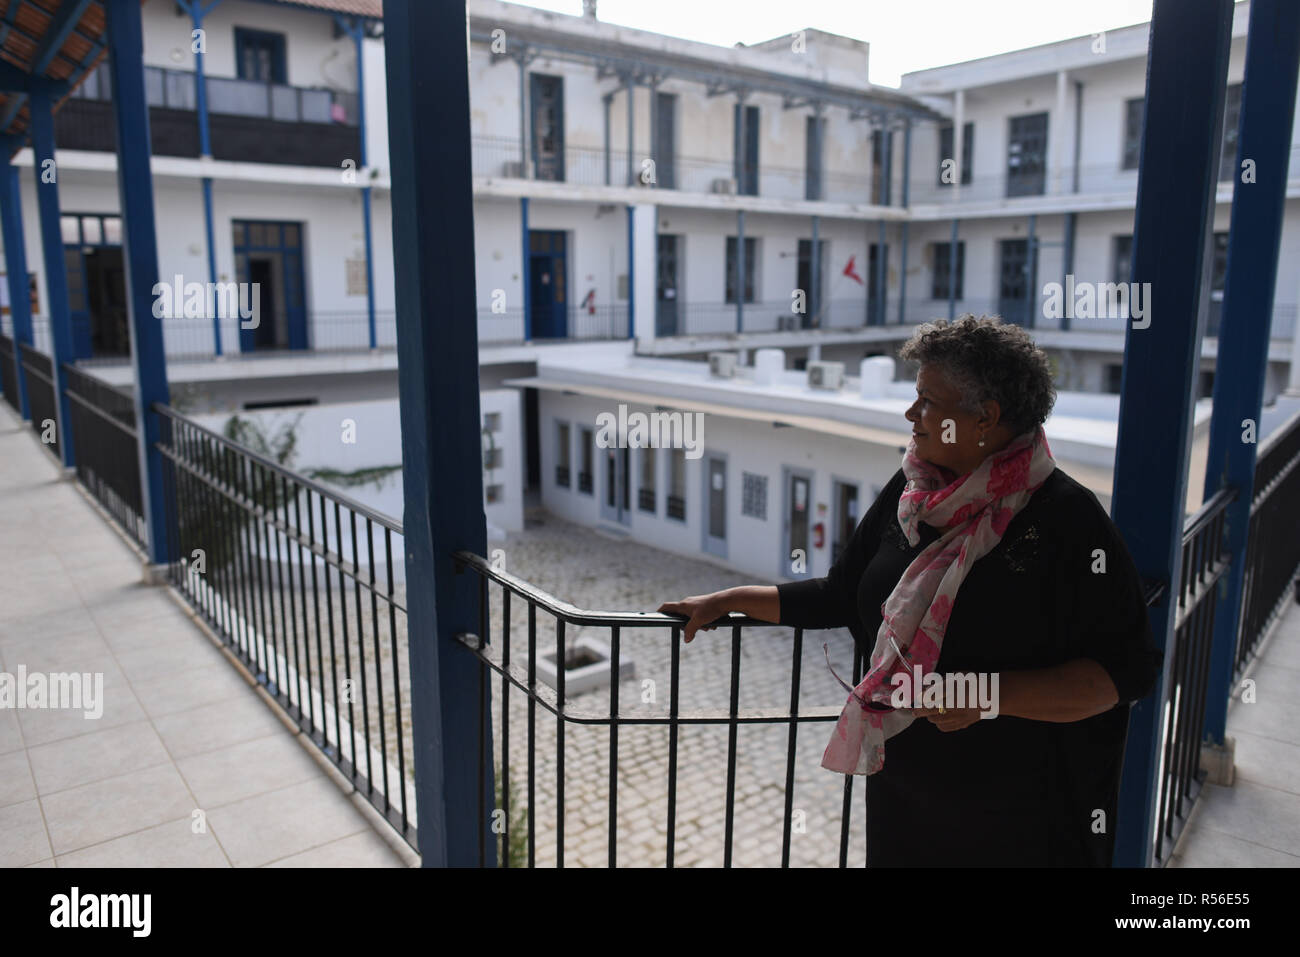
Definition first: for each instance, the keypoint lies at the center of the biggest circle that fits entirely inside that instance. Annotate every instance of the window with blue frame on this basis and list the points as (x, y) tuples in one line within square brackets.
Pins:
[(259, 55)]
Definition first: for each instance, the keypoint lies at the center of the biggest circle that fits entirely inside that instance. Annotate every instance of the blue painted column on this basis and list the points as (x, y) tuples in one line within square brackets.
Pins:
[(437, 336), (140, 256), (56, 273), (740, 265), (1267, 108), (1187, 66), (525, 270), (20, 303), (907, 199), (356, 29), (1067, 257), (814, 296), (1031, 273), (631, 271), (952, 273), (197, 12)]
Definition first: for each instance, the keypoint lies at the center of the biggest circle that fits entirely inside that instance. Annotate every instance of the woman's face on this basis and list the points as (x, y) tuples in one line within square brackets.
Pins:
[(945, 434)]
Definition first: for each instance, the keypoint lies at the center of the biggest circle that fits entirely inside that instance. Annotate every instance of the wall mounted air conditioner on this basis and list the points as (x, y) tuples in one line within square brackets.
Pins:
[(786, 323), (723, 364), (514, 169), (826, 375), (725, 185)]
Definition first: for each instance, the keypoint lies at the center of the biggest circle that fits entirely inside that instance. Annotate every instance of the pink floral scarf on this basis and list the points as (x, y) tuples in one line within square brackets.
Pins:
[(973, 510)]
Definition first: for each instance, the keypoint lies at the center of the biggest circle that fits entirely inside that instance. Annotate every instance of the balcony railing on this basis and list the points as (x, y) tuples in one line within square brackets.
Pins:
[(307, 588), (301, 584), (229, 96)]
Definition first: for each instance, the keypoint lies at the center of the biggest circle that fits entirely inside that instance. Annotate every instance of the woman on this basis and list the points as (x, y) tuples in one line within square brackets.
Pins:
[(979, 557)]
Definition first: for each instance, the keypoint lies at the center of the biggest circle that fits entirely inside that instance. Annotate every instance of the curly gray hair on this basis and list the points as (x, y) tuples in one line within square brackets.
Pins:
[(984, 359)]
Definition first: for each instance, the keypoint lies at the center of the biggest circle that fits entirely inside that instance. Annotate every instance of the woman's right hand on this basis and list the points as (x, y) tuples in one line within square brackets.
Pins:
[(700, 609)]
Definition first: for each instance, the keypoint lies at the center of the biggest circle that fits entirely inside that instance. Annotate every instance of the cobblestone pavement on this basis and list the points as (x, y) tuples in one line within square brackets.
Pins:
[(597, 572)]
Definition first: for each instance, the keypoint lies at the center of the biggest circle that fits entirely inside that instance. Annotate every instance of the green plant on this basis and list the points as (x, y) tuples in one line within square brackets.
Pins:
[(518, 826)]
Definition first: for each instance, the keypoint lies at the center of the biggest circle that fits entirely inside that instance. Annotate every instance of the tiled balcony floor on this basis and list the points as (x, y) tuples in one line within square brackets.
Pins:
[(1256, 822), (181, 732)]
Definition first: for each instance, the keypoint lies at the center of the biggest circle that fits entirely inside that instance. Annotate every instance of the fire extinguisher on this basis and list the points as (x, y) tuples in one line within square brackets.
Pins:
[(819, 535), (590, 302)]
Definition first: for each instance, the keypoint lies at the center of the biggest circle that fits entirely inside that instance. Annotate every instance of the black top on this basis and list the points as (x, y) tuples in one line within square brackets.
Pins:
[(1006, 790)]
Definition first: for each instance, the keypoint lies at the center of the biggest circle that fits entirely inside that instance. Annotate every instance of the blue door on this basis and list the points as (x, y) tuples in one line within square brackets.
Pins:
[(270, 255), (548, 299), (92, 256)]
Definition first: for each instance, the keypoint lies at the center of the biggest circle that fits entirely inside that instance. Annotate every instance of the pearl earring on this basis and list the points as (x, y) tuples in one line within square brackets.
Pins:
[(981, 443)]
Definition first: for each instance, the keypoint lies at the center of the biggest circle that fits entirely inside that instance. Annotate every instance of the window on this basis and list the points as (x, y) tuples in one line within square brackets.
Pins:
[(1114, 376), (1122, 258), (1027, 155), (881, 146), (754, 495), (677, 484), (1205, 384), (1219, 266), (948, 150), (587, 453), (1231, 120), (750, 246), (562, 452), (645, 496), (260, 55), (939, 285), (1132, 131)]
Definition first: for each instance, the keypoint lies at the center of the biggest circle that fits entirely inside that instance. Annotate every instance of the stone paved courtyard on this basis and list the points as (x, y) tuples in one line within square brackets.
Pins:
[(595, 571)]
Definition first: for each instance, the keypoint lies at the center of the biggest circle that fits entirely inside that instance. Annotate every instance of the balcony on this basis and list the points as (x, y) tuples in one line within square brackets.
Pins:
[(249, 121), (303, 591)]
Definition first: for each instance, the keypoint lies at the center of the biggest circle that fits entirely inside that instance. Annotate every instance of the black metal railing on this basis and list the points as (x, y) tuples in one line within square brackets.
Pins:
[(300, 583), (1272, 545), (1204, 562), (520, 686), (9, 372), (42, 397), (105, 448)]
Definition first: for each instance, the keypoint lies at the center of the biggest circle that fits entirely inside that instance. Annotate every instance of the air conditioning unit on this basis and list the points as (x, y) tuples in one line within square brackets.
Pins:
[(787, 323), (725, 185), (723, 364), (513, 169), (826, 375)]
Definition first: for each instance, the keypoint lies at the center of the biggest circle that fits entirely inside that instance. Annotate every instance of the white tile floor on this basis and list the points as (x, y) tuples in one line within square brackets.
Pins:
[(181, 730), (1256, 822)]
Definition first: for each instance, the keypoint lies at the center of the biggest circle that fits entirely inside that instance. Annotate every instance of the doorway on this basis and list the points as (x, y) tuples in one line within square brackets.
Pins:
[(796, 557), (715, 505), (547, 289), (846, 516), (1013, 281), (812, 317), (615, 500), (667, 286), (92, 257), (269, 254), (876, 309)]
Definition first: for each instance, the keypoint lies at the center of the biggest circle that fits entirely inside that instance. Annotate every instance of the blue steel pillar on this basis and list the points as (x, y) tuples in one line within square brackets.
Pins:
[(907, 198), (356, 29), (1187, 66), (1267, 108), (20, 303), (525, 270), (197, 11), (631, 270), (140, 256), (814, 296), (437, 335), (1031, 273), (952, 273), (1067, 266), (740, 265), (56, 273)]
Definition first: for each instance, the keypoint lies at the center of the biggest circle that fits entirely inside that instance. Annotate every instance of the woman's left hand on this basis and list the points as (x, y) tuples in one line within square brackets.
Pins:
[(952, 719)]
